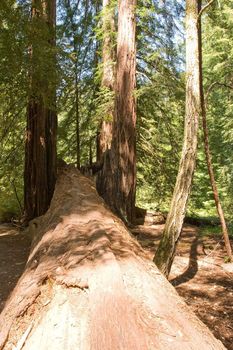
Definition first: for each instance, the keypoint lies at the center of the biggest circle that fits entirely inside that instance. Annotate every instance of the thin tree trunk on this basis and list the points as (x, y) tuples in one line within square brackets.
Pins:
[(208, 153), (166, 250), (120, 164), (89, 285), (90, 152), (70, 13), (77, 118), (40, 143)]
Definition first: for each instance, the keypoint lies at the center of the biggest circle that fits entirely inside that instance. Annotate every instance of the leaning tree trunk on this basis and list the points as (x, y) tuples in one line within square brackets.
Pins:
[(89, 285), (120, 164), (40, 144), (166, 250), (208, 153)]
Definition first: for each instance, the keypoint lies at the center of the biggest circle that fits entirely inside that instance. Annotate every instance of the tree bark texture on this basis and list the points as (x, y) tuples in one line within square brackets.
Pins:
[(120, 163), (41, 130), (89, 285), (208, 152), (166, 250)]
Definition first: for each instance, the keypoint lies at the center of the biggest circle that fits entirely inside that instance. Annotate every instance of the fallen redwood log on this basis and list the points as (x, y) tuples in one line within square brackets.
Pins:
[(89, 285), (145, 217)]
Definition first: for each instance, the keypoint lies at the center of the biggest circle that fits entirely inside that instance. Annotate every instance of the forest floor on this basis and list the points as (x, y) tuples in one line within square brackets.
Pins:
[(200, 276), (199, 273)]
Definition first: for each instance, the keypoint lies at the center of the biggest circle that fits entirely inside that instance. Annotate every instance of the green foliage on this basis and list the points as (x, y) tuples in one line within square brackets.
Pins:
[(105, 104), (160, 93), (217, 59), (214, 231), (24, 48), (13, 95), (160, 99), (78, 58)]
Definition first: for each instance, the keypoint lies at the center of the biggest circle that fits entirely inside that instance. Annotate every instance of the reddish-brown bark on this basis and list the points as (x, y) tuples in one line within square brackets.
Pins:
[(119, 186), (40, 143), (89, 285)]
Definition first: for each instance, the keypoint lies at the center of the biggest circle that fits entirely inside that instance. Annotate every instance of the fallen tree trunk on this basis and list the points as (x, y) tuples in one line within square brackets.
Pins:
[(146, 217), (89, 285)]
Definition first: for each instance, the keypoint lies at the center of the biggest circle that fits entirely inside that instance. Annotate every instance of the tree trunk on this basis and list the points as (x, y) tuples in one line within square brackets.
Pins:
[(120, 164), (35, 172), (77, 116), (89, 285), (208, 153), (40, 144), (166, 250), (71, 19)]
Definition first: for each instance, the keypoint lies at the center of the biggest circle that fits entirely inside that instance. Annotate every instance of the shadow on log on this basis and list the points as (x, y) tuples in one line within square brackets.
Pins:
[(89, 285)]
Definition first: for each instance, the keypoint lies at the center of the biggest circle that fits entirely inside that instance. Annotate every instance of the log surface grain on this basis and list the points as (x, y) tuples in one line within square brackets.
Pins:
[(88, 284)]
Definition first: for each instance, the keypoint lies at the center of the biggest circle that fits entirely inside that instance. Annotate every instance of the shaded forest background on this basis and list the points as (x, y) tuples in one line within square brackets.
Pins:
[(81, 102)]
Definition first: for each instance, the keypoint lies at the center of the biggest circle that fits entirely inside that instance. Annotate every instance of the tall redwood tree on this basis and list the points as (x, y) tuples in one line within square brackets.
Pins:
[(120, 166), (40, 144)]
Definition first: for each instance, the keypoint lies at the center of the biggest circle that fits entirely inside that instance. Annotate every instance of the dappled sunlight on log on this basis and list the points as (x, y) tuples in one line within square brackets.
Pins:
[(88, 284)]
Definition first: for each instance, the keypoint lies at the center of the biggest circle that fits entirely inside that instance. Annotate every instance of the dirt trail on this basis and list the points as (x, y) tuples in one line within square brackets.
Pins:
[(14, 250), (198, 273)]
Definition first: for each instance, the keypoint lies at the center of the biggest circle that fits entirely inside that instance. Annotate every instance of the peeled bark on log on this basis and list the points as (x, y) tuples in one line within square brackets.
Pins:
[(89, 285)]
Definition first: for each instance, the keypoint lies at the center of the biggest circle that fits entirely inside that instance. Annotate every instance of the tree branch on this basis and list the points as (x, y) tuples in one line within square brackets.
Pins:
[(210, 88), (204, 8), (17, 197)]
